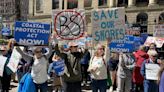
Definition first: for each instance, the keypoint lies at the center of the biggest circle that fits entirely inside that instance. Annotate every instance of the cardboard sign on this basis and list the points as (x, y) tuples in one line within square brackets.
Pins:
[(125, 45), (159, 30), (157, 40), (2, 64), (31, 33), (152, 71), (69, 24), (14, 60), (59, 66), (108, 23)]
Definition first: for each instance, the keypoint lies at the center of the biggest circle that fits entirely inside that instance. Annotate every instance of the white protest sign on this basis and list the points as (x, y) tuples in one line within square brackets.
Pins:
[(69, 24), (14, 60), (108, 23), (158, 31), (152, 71), (2, 64)]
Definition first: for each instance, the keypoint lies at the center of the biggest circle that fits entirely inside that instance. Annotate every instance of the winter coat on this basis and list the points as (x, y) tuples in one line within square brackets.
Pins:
[(140, 56), (161, 85)]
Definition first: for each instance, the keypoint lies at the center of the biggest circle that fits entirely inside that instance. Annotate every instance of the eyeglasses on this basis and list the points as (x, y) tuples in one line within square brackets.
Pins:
[(100, 48), (155, 56)]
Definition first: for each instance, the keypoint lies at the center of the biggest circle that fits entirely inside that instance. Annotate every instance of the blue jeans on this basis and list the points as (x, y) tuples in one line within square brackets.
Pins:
[(150, 86), (72, 87), (99, 85), (43, 87)]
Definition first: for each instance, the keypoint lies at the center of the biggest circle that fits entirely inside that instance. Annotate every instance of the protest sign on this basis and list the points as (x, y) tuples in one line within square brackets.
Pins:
[(108, 23), (125, 45), (159, 41), (59, 67), (152, 71), (6, 31), (159, 30), (14, 60), (69, 24), (2, 64), (31, 33)]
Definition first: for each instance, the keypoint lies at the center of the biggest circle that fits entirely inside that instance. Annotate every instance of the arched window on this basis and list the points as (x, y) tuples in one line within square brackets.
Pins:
[(55, 4), (161, 18), (126, 20), (142, 19), (141, 1), (122, 3), (72, 4), (102, 2)]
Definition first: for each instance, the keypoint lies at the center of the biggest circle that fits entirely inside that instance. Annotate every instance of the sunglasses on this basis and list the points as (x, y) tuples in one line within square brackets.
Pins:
[(155, 56), (100, 48), (2, 50)]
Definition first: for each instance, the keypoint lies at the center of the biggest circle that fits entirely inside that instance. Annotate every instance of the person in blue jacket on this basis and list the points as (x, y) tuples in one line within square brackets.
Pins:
[(150, 85)]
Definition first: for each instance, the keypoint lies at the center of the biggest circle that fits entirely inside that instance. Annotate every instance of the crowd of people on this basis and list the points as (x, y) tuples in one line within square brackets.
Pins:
[(120, 71)]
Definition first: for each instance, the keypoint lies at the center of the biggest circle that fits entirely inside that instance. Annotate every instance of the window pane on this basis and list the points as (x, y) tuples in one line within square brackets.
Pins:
[(102, 2), (72, 4), (55, 4)]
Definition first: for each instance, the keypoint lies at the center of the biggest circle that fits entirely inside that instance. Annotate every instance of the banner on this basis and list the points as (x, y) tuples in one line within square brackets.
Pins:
[(125, 45), (108, 23), (2, 64), (6, 31), (59, 67), (14, 60), (159, 41), (31, 33), (69, 24), (159, 30), (152, 71)]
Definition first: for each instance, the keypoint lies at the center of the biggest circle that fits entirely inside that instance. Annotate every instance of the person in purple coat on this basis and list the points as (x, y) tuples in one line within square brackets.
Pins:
[(161, 77)]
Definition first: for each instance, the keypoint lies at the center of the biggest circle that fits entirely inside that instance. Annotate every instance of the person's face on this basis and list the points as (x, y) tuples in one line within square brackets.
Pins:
[(153, 57), (73, 49), (4, 52), (100, 51), (152, 46), (38, 53)]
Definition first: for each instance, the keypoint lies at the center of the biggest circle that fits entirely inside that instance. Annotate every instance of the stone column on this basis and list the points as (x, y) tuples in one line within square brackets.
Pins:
[(65, 4), (131, 3), (31, 7), (111, 3), (152, 2), (60, 4), (81, 4), (95, 4)]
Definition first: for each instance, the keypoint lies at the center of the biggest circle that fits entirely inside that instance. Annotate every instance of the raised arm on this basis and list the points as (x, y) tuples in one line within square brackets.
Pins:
[(25, 56)]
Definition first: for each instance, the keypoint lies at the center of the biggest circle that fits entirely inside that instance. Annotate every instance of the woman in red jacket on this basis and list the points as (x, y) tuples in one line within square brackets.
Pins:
[(140, 56)]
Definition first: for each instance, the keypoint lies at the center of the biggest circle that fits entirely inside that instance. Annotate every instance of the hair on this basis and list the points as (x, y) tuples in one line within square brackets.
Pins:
[(97, 47), (160, 71), (152, 44), (114, 56), (143, 48)]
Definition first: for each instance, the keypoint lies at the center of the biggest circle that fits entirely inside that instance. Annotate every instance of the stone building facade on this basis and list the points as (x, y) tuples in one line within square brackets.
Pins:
[(146, 13)]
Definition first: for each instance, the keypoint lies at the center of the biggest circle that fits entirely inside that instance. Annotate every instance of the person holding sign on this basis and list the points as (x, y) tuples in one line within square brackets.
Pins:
[(6, 78), (58, 68), (98, 68), (149, 70), (39, 66)]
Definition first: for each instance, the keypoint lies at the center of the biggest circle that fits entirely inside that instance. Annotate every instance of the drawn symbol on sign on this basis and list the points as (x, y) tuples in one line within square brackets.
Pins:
[(69, 25)]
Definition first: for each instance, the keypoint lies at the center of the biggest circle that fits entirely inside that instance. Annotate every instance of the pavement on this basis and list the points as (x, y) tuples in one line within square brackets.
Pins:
[(14, 87)]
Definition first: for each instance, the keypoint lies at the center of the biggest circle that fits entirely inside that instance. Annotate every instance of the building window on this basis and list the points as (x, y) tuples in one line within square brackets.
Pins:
[(161, 18), (102, 2), (141, 1), (39, 6), (122, 3), (55, 4), (161, 2), (142, 19), (87, 3), (72, 4)]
